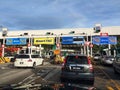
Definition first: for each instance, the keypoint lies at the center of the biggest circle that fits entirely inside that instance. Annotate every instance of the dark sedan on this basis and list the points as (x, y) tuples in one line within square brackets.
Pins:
[(77, 67)]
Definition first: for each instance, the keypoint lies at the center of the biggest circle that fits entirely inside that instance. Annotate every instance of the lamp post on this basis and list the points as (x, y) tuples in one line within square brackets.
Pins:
[(29, 45)]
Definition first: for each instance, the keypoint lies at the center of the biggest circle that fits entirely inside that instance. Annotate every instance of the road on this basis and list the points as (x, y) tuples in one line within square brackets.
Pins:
[(105, 79)]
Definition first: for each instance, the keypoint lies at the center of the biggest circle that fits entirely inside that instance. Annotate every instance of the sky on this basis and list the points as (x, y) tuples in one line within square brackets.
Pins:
[(58, 14)]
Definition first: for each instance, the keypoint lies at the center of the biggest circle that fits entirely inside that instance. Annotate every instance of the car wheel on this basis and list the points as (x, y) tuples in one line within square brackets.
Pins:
[(62, 80), (115, 71), (34, 65), (91, 82), (42, 63), (101, 62)]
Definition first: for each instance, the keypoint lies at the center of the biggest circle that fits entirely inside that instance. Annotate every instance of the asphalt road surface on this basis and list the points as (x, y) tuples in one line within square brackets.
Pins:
[(105, 79)]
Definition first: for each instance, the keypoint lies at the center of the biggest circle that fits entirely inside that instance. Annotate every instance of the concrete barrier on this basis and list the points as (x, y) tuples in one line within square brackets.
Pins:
[(4, 60)]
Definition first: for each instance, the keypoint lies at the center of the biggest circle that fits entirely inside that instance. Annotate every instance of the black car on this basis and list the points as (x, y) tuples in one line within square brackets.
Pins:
[(77, 67)]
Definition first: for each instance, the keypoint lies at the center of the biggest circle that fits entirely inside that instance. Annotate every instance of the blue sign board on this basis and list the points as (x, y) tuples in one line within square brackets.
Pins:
[(16, 41), (73, 40), (112, 40), (96, 40), (67, 40), (104, 40), (78, 40)]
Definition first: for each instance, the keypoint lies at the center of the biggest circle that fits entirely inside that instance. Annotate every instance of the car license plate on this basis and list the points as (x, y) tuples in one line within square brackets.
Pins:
[(21, 62), (78, 68)]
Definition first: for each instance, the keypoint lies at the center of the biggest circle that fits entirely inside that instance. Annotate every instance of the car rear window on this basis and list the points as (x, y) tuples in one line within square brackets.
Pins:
[(97, 54), (77, 59), (35, 56), (22, 56), (109, 57)]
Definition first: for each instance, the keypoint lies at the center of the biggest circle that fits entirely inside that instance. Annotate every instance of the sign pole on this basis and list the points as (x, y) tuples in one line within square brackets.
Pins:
[(91, 47), (3, 47), (87, 46), (109, 48), (84, 47), (29, 46), (40, 50)]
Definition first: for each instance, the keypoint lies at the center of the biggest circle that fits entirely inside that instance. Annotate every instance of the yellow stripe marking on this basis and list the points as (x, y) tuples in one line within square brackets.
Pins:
[(116, 85)]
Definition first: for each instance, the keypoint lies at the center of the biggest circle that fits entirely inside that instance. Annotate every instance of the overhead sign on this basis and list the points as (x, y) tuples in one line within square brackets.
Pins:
[(67, 40), (78, 40), (112, 40), (96, 40), (104, 40), (45, 40), (73, 40), (16, 41)]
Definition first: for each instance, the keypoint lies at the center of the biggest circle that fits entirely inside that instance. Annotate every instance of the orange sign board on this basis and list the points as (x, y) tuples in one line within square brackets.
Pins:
[(56, 52)]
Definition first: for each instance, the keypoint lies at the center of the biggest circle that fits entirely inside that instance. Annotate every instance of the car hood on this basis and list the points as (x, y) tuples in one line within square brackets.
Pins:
[(53, 86)]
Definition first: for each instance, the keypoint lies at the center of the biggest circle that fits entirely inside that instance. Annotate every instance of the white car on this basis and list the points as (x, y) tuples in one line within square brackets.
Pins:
[(27, 60), (97, 57)]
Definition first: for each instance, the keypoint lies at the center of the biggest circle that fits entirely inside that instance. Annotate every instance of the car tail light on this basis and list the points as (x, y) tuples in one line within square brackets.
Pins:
[(89, 61), (64, 62), (90, 65), (29, 60)]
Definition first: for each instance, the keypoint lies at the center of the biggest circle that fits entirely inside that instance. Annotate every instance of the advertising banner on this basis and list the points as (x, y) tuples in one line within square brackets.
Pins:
[(45, 40), (16, 41)]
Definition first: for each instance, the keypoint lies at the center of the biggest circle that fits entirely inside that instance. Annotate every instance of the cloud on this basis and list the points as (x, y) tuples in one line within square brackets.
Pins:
[(47, 14)]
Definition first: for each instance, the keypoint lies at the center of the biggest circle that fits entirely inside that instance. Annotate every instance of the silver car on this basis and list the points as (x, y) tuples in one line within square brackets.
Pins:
[(107, 60), (116, 65)]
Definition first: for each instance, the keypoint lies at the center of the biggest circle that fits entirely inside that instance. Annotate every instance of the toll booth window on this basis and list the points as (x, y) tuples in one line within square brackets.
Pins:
[(97, 29)]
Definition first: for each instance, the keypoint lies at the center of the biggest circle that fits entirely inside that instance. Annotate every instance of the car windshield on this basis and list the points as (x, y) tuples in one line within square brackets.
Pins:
[(77, 59), (22, 56)]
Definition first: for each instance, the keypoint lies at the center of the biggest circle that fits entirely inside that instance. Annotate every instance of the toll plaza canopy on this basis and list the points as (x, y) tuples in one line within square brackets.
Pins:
[(113, 30)]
